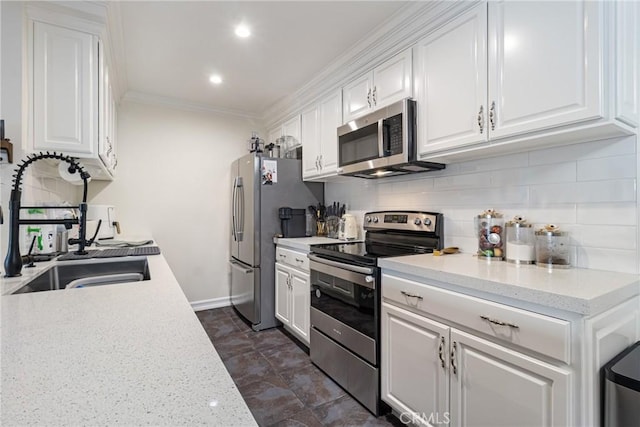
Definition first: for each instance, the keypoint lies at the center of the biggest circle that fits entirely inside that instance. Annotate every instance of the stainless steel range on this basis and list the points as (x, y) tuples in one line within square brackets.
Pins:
[(345, 297)]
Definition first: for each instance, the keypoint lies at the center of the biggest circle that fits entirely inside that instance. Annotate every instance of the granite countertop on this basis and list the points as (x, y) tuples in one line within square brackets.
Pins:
[(577, 290), (127, 354)]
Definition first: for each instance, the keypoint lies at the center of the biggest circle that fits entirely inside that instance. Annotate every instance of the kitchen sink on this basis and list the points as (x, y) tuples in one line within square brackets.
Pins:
[(87, 274)]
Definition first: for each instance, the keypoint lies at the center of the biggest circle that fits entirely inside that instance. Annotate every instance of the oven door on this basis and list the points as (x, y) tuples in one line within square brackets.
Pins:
[(345, 305)]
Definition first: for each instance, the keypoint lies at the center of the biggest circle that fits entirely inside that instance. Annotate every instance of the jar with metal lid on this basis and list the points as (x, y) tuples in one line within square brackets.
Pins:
[(520, 247), (490, 232), (553, 249)]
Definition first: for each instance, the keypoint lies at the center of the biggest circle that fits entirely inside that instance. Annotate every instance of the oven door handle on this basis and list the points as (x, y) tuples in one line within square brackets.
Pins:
[(354, 268)]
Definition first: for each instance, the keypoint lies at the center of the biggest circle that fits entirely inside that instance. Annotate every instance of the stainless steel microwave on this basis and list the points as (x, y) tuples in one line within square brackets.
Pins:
[(382, 143)]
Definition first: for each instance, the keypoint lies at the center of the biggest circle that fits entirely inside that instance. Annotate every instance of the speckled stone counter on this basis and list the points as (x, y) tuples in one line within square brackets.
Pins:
[(122, 354), (581, 291), (303, 243)]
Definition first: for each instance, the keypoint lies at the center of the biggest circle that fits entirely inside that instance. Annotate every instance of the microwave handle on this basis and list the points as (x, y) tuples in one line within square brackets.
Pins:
[(381, 141)]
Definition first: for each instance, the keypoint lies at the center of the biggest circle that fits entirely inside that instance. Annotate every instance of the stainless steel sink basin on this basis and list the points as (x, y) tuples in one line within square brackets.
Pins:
[(90, 273)]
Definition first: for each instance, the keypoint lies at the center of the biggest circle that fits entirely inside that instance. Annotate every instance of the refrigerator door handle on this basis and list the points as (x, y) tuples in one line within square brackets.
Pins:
[(240, 230), (234, 210)]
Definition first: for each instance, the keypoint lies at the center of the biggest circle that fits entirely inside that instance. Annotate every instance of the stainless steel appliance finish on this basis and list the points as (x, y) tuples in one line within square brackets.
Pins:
[(254, 223), (382, 143), (621, 377), (345, 298)]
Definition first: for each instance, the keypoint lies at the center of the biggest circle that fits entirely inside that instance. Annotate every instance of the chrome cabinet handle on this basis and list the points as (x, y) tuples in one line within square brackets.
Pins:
[(499, 322), (369, 97), (441, 352), (374, 95), (453, 359), (407, 294), (492, 115), (481, 119)]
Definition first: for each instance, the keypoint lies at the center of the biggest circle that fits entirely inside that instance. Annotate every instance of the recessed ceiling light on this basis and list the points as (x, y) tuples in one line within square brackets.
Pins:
[(215, 79), (243, 31)]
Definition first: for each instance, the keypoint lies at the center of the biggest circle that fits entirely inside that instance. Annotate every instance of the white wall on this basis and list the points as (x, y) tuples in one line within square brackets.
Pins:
[(588, 189), (173, 183)]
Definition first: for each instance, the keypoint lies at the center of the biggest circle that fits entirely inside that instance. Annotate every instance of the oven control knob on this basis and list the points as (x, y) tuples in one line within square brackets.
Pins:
[(427, 221), (417, 221), (368, 279), (367, 218), (375, 219)]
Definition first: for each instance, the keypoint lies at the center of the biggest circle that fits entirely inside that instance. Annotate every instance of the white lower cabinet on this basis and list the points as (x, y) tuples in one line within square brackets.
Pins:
[(435, 374), (292, 292)]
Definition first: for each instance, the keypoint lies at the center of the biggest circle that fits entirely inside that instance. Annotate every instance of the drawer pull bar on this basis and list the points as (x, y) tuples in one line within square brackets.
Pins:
[(407, 294), (441, 352), (500, 323)]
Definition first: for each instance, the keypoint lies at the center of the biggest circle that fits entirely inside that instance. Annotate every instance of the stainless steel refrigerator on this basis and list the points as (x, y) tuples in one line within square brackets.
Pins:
[(260, 186)]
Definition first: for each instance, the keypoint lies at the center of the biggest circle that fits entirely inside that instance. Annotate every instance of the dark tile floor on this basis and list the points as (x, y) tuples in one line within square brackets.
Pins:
[(277, 379)]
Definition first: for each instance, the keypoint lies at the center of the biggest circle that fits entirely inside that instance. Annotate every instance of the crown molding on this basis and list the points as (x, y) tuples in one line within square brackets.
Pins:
[(405, 28), (148, 99)]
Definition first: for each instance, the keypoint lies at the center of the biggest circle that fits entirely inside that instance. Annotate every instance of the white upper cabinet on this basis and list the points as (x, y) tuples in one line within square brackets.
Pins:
[(107, 122), (71, 102), (543, 72), (384, 85), (290, 128), (504, 72), (64, 90), (451, 83), (627, 61), (320, 138)]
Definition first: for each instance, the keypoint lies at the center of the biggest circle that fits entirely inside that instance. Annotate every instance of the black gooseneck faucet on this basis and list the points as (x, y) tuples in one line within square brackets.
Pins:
[(13, 260)]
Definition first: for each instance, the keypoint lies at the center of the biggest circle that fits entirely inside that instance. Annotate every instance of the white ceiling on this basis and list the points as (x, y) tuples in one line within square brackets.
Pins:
[(171, 47)]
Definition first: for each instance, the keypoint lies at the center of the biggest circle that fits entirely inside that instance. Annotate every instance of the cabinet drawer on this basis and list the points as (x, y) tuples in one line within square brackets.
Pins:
[(293, 258), (540, 333)]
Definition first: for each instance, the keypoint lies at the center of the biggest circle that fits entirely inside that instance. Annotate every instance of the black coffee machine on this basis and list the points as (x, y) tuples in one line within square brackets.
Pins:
[(292, 222)]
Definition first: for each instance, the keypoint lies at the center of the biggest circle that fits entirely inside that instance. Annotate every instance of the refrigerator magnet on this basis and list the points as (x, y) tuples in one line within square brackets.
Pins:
[(269, 172)]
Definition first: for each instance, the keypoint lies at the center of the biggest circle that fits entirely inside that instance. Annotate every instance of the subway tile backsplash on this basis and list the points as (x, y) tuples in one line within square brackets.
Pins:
[(588, 189)]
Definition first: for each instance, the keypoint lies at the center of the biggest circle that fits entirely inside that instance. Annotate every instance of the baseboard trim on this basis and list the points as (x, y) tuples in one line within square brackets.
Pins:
[(208, 304)]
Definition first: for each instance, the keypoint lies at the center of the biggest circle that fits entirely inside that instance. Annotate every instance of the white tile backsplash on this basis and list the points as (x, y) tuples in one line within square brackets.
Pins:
[(589, 190)]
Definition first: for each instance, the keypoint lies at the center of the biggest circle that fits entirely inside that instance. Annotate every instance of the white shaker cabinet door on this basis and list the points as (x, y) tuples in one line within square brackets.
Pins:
[(392, 80), (283, 307), (356, 98), (451, 84), (414, 365), (330, 120), (300, 304), (310, 143), (545, 64), (495, 386), (65, 90)]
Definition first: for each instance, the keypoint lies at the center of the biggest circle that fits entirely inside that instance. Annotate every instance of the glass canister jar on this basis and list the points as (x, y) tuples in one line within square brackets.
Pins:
[(521, 247), (490, 231), (552, 247)]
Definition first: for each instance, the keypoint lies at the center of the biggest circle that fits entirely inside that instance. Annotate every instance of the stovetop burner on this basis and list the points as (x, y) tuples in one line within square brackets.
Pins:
[(392, 233)]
